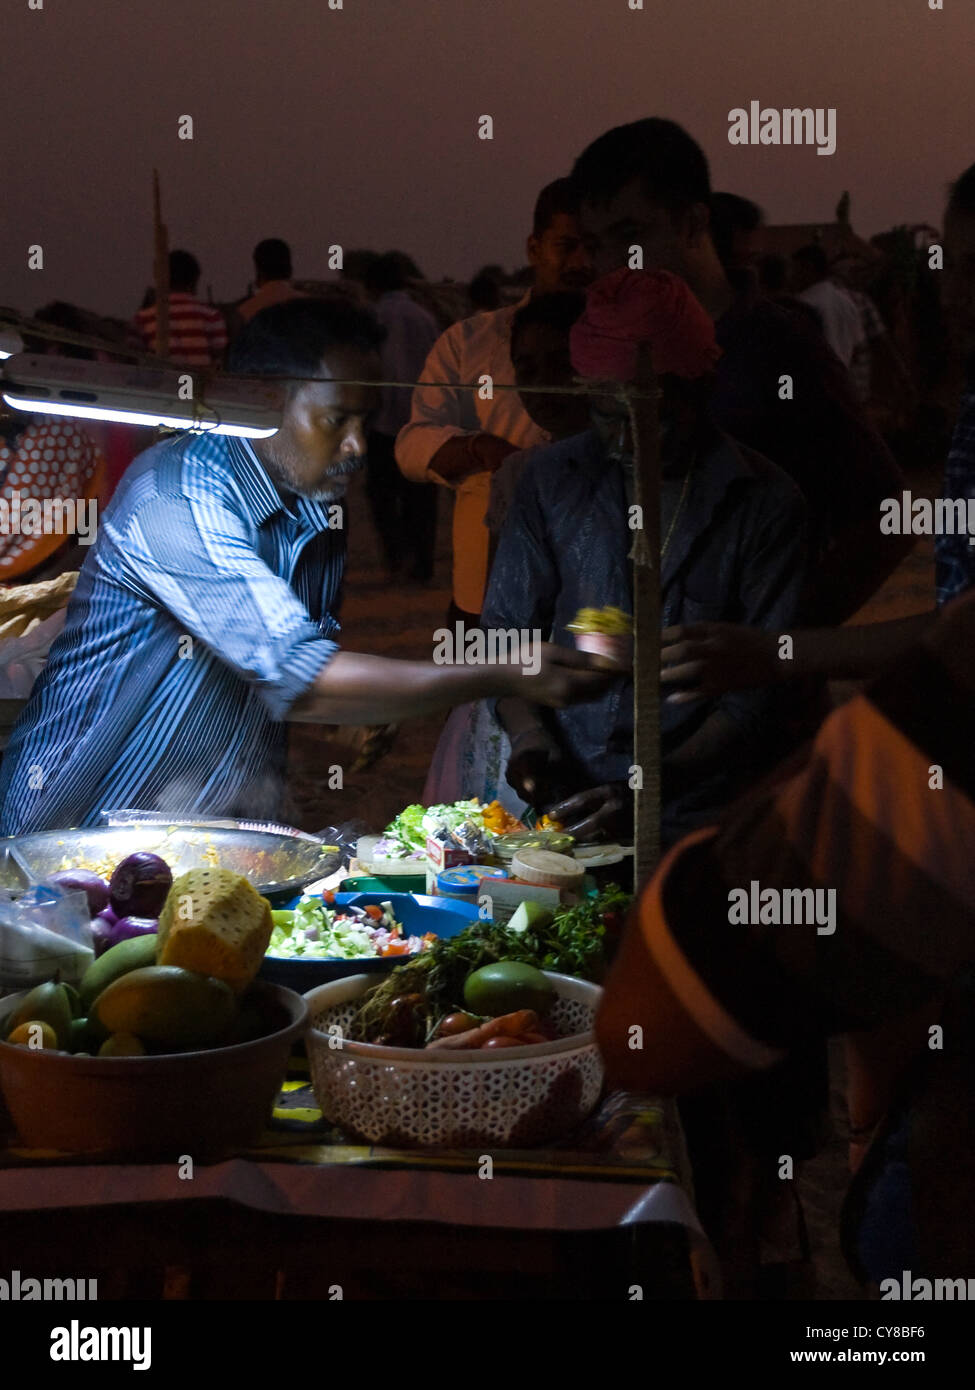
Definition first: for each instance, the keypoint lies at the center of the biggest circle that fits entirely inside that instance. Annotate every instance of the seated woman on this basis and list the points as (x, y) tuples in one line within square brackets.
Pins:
[(732, 529)]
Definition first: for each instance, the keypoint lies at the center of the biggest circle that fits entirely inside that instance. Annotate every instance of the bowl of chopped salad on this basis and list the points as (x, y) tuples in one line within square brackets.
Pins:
[(324, 936)]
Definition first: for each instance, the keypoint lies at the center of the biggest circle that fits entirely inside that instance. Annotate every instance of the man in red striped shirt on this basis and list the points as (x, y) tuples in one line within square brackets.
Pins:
[(197, 332)]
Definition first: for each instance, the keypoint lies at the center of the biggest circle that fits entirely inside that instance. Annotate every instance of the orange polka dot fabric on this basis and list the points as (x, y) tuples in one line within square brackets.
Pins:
[(50, 459)]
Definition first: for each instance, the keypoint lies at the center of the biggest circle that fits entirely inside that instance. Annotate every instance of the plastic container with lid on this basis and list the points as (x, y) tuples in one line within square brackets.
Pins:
[(545, 869), (464, 881)]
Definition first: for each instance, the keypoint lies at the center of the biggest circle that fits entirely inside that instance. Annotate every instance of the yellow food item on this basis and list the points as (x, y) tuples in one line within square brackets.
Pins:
[(165, 1006), (548, 823), (613, 622), (216, 923), (498, 820), (35, 1034)]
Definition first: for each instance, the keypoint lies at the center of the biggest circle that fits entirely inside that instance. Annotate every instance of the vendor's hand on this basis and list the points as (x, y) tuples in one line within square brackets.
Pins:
[(534, 767), (563, 676), (600, 812), (708, 659)]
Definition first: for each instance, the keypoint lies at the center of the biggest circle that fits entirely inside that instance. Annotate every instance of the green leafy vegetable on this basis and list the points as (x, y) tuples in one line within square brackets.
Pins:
[(574, 943), (414, 822)]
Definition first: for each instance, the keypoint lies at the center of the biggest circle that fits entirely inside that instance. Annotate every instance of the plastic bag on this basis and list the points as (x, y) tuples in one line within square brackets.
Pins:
[(22, 658), (44, 932)]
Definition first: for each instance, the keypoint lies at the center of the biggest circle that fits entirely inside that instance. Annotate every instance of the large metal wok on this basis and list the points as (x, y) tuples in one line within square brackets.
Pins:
[(278, 860)]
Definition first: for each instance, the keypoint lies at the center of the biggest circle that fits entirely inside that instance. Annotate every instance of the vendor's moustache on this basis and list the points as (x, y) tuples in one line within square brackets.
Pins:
[(351, 465)]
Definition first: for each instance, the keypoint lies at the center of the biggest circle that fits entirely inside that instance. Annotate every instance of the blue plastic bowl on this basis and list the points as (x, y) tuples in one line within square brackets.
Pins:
[(419, 914)]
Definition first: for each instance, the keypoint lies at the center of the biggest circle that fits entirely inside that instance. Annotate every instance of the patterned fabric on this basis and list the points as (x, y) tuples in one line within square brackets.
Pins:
[(197, 332), (954, 557), (202, 614), (865, 818), (51, 459)]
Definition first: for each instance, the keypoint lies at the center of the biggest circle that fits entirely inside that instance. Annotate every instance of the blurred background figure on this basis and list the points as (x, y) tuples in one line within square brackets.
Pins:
[(484, 291), (736, 230), (459, 437), (842, 325), (197, 331), (403, 512), (272, 275)]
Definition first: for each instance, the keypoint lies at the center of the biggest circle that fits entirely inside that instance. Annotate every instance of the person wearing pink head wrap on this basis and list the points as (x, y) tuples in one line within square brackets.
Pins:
[(632, 308)]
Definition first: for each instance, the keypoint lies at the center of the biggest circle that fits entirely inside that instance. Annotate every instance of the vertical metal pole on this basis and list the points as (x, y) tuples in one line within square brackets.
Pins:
[(641, 399)]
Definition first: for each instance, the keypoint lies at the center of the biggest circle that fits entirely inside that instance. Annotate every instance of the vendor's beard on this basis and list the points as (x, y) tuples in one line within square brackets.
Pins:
[(285, 474)]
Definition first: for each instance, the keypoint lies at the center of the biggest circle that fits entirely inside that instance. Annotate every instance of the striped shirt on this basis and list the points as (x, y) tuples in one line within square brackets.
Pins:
[(197, 332), (883, 813), (201, 615)]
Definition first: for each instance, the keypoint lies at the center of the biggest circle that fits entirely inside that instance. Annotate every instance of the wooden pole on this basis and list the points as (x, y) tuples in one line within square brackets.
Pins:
[(641, 401), (161, 269)]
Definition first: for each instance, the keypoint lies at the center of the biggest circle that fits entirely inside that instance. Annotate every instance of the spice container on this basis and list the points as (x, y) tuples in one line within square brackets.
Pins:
[(464, 881), (544, 869)]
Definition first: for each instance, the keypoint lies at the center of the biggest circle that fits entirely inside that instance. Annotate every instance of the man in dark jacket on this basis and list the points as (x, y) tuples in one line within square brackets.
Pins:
[(732, 529)]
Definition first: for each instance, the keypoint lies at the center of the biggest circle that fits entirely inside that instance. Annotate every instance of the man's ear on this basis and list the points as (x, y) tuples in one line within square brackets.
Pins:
[(533, 249)]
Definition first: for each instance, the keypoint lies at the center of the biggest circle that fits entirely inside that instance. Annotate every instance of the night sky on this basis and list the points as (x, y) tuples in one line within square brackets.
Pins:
[(358, 126)]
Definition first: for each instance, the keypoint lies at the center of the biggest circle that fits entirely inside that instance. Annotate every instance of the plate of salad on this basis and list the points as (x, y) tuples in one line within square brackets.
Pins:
[(325, 936)]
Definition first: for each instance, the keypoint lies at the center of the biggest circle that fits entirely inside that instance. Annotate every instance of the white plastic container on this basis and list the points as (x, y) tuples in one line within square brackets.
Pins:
[(515, 1097)]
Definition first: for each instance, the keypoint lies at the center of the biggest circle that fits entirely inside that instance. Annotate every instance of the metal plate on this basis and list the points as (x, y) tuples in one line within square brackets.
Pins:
[(276, 862)]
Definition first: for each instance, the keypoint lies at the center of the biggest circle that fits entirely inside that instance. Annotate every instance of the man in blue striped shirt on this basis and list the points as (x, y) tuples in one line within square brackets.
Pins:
[(202, 620)]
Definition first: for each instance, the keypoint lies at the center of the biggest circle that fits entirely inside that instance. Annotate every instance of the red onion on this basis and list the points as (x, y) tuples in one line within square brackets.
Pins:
[(133, 926), (140, 885), (84, 881), (102, 928)]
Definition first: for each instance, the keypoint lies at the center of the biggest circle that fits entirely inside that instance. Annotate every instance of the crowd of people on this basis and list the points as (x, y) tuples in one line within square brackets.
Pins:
[(773, 472)]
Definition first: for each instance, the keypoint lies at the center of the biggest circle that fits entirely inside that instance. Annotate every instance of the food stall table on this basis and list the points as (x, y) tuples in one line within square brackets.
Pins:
[(306, 1214)]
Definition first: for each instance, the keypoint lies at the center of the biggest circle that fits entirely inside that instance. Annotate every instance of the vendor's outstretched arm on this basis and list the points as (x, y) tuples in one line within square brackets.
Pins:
[(355, 688)]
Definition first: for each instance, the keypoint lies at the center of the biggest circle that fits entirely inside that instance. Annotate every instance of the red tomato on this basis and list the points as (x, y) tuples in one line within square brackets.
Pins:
[(328, 897), (397, 948), (529, 1039), (374, 911), (503, 1042)]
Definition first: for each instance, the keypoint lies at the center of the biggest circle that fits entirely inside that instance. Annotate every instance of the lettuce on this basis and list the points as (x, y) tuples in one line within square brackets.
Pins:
[(411, 826)]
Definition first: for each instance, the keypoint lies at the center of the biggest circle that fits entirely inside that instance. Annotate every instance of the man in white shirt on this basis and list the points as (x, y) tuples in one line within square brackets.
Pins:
[(842, 324), (458, 437)]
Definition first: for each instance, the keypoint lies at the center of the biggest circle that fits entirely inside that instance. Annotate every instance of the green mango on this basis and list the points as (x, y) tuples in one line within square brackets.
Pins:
[(167, 1007), (117, 961), (84, 1036), (47, 1003), (74, 1000)]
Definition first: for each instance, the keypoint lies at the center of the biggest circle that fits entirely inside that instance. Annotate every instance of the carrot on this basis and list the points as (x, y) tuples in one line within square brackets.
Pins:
[(508, 1025), (521, 1021)]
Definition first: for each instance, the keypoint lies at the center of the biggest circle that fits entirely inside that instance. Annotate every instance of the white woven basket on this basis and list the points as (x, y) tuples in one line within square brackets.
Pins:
[(514, 1097)]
